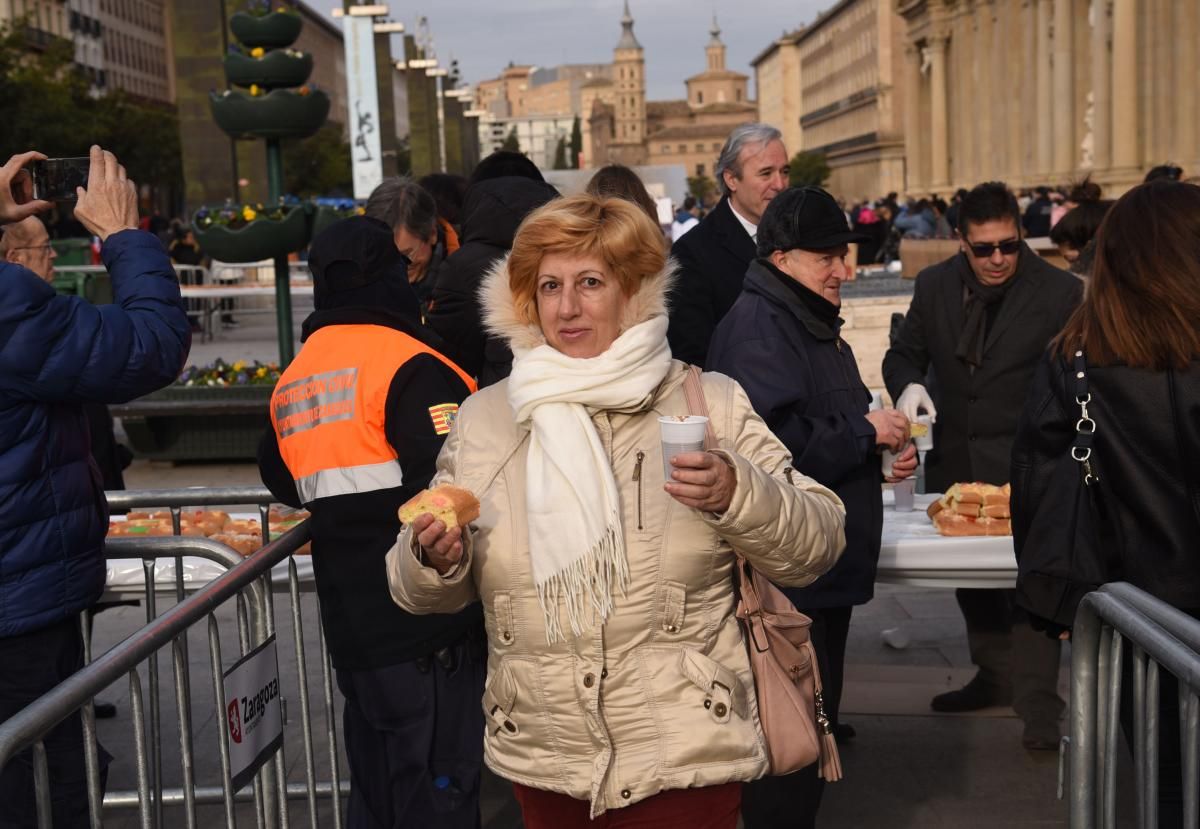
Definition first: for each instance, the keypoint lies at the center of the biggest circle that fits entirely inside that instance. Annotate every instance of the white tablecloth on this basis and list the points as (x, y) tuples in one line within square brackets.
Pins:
[(914, 553), (911, 553)]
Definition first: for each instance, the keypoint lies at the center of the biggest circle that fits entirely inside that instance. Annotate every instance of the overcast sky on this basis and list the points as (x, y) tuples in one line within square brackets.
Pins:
[(484, 35)]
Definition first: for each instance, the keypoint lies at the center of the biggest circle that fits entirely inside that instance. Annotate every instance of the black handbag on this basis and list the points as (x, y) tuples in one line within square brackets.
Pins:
[(1068, 546)]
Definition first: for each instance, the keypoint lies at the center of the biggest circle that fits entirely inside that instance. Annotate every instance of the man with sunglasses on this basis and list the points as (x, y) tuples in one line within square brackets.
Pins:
[(978, 323)]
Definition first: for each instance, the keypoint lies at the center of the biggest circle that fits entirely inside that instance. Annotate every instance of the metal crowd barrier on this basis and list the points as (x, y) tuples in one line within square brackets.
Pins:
[(247, 582), (1160, 637)]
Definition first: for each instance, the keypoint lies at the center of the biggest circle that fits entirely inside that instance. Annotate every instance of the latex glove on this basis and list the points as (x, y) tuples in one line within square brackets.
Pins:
[(912, 399)]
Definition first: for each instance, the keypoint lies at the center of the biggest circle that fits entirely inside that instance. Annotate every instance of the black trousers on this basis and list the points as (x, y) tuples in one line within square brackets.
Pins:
[(1012, 655), (791, 801), (414, 739), (30, 665)]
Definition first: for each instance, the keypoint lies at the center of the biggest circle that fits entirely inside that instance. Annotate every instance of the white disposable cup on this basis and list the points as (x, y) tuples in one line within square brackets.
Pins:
[(887, 458), (679, 436), (903, 492), (924, 442)]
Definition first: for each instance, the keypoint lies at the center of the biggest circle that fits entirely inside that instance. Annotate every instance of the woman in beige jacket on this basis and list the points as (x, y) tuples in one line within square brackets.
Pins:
[(617, 674)]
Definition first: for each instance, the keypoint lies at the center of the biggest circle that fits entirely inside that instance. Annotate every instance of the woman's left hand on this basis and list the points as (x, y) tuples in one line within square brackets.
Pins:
[(702, 480)]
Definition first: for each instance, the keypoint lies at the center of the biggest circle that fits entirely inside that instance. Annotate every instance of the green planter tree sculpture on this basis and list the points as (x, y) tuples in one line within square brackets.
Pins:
[(272, 103)]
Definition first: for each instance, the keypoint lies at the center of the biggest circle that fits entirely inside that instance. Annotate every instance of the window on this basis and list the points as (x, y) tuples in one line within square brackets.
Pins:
[(666, 148), (699, 169), (699, 97), (738, 95), (683, 148), (716, 147), (699, 148)]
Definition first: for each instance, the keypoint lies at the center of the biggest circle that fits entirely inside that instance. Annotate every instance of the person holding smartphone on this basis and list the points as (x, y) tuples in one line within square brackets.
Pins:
[(57, 355)]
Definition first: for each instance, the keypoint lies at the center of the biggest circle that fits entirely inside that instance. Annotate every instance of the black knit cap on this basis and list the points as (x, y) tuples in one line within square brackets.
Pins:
[(352, 253), (804, 217)]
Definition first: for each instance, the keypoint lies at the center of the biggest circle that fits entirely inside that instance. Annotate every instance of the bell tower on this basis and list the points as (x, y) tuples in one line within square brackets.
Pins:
[(629, 75)]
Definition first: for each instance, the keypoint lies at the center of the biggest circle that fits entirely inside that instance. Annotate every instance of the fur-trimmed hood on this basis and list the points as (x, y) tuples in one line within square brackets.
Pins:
[(502, 320)]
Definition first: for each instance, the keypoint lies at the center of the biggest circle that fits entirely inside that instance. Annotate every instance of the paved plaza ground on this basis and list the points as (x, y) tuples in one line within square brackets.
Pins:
[(908, 767)]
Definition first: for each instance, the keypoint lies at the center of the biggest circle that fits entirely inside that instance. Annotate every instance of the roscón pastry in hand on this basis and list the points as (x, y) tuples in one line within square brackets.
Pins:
[(451, 505)]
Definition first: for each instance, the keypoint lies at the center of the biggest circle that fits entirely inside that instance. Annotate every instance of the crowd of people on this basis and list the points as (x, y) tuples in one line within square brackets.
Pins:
[(579, 635)]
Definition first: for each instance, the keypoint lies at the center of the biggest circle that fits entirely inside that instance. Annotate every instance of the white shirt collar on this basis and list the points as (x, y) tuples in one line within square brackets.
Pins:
[(747, 225)]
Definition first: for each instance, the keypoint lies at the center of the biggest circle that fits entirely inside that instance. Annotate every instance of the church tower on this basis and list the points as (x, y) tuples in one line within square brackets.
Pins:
[(629, 75), (715, 50)]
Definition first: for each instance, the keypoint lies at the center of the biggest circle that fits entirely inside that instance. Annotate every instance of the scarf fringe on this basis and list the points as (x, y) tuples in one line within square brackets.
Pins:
[(586, 582)]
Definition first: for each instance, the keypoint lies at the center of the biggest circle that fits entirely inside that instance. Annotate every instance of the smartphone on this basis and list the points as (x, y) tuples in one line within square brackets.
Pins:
[(55, 179)]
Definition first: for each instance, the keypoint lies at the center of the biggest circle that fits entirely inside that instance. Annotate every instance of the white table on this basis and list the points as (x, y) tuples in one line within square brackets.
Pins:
[(913, 553)]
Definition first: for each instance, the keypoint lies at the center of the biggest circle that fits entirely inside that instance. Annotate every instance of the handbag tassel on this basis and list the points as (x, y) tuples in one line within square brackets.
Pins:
[(830, 760)]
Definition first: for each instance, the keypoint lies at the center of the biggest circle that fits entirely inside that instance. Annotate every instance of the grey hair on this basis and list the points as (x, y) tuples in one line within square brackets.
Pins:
[(742, 135), (401, 202)]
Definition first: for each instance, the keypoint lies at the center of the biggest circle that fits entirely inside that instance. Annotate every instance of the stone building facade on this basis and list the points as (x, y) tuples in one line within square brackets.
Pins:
[(1074, 87), (851, 64), (687, 132), (777, 82)]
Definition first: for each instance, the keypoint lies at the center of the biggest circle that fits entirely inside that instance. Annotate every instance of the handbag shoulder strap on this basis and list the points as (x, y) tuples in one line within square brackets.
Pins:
[(698, 405)]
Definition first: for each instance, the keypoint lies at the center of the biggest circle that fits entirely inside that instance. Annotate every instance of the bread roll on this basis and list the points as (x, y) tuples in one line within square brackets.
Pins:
[(242, 543), (451, 505), (997, 510), (918, 430), (952, 524), (936, 507), (969, 509)]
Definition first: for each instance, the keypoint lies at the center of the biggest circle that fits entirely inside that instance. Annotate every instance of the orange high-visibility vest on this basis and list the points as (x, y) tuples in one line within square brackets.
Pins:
[(329, 409)]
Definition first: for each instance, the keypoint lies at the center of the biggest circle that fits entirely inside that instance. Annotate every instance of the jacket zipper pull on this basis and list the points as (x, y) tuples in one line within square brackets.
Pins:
[(787, 471), (637, 477)]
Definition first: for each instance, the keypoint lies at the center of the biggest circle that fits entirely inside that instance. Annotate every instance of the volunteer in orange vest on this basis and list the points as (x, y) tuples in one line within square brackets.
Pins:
[(357, 421)]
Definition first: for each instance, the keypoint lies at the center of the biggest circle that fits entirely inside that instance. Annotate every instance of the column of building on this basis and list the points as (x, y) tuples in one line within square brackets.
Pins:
[(1101, 87), (1124, 85), (1044, 116), (939, 129), (1064, 90), (914, 136)]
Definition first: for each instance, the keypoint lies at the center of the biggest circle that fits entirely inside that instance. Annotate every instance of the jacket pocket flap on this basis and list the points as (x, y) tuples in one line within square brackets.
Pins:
[(714, 679), (498, 699), (674, 603), (502, 609)]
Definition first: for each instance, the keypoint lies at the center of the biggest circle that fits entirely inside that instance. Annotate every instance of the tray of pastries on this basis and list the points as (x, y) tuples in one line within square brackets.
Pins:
[(973, 509)]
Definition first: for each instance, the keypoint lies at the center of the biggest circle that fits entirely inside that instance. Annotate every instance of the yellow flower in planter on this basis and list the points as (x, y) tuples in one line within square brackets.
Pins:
[(248, 213), (257, 52), (240, 365)]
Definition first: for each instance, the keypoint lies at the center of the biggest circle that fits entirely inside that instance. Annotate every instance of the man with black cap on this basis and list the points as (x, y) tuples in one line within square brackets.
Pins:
[(357, 420), (781, 341)]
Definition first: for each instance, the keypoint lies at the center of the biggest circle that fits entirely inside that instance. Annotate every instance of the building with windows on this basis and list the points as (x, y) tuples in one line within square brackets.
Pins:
[(777, 81), (688, 132)]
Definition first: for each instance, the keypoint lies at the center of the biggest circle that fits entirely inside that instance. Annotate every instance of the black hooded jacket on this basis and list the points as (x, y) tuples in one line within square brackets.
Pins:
[(493, 211)]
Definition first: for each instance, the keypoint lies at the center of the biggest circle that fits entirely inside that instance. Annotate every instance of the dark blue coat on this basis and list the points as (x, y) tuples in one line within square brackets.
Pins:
[(802, 380), (57, 353)]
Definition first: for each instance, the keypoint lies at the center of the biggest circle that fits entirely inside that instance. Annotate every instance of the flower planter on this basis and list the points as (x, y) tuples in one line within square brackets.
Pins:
[(281, 113), (273, 31), (258, 240), (190, 423), (271, 71)]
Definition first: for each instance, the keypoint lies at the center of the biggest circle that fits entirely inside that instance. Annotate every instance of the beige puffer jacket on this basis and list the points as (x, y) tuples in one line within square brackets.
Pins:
[(661, 696)]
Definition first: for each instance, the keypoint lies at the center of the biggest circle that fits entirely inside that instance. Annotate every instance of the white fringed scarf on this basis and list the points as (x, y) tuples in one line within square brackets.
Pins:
[(575, 539)]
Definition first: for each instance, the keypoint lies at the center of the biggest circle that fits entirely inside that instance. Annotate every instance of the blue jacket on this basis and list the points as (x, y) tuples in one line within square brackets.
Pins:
[(57, 353), (802, 379)]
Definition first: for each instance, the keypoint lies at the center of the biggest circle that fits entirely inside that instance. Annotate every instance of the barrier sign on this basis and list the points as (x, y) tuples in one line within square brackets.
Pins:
[(253, 717)]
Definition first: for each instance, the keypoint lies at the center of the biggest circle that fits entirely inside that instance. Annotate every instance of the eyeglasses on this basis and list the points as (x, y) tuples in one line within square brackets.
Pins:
[(984, 250), (46, 248)]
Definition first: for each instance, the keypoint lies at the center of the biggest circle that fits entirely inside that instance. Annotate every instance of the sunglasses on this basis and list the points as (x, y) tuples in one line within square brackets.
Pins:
[(984, 250)]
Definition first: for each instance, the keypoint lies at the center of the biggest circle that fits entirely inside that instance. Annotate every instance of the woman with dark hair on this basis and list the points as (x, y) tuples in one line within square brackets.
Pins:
[(1074, 231), (619, 181), (1136, 341)]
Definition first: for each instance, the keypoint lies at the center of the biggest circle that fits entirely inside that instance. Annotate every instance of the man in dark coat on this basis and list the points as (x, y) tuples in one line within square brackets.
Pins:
[(713, 256), (494, 209), (981, 321), (60, 353), (781, 342)]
